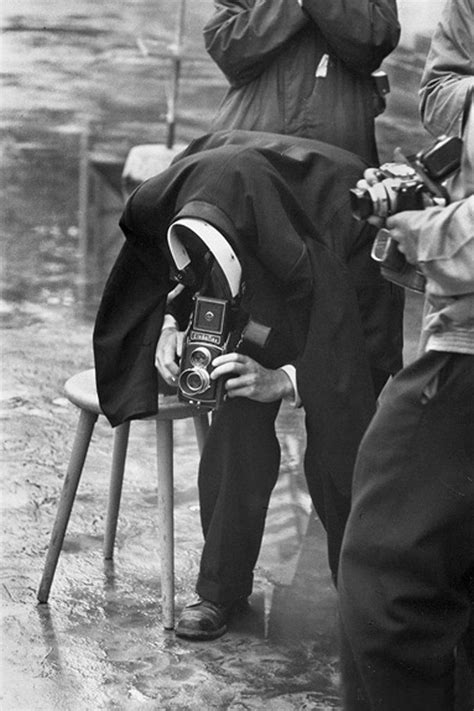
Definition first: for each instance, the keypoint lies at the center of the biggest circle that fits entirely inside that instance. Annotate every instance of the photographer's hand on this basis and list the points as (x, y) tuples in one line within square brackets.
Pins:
[(407, 227), (403, 226), (168, 353), (372, 176), (250, 379)]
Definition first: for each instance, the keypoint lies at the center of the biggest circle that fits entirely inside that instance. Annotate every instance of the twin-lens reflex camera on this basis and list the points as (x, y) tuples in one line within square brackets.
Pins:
[(207, 337)]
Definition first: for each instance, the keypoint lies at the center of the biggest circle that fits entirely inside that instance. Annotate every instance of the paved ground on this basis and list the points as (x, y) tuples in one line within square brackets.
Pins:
[(99, 643)]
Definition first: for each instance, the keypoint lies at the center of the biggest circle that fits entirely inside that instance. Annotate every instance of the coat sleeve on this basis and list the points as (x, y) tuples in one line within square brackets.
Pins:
[(449, 71), (242, 37), (360, 32), (446, 248)]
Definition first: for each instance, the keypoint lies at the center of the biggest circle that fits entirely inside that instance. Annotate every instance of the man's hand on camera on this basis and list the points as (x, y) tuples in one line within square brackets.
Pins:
[(405, 228), (168, 353), (371, 177), (247, 378)]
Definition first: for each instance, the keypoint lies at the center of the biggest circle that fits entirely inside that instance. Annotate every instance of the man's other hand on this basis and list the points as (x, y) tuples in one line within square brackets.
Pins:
[(247, 378), (168, 353)]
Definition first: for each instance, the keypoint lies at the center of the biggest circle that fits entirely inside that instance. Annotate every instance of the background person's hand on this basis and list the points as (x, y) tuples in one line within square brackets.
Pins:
[(372, 176), (247, 378), (167, 355), (405, 228)]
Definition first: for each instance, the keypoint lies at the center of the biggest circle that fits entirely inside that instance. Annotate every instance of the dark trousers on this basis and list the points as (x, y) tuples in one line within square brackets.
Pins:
[(238, 471), (406, 577)]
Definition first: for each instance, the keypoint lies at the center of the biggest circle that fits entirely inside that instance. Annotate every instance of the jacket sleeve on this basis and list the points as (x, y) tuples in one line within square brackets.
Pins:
[(446, 248), (449, 69), (361, 32), (242, 37)]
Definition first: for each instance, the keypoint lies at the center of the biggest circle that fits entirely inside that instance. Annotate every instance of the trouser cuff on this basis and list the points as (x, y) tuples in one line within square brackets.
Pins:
[(223, 594)]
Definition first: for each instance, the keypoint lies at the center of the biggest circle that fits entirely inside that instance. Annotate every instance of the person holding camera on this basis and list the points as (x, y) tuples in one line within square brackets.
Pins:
[(310, 297), (295, 68), (406, 575)]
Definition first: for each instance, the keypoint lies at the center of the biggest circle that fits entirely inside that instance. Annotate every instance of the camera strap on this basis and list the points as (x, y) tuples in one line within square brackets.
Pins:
[(223, 273), (190, 228)]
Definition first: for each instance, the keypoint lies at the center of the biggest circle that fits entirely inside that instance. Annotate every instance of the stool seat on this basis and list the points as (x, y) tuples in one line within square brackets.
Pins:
[(145, 161), (81, 390)]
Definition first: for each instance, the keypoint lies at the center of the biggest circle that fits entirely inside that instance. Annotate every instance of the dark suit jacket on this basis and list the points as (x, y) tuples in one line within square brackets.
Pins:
[(284, 205)]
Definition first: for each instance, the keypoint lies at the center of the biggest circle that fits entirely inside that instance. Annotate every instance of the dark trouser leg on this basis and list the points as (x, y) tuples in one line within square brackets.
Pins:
[(408, 551), (238, 470), (333, 508), (331, 504)]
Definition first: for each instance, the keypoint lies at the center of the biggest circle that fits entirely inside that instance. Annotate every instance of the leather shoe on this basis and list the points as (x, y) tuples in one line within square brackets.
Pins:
[(204, 620)]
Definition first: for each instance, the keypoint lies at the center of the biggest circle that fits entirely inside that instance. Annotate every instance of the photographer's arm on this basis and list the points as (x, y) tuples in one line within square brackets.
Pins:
[(449, 70), (441, 241)]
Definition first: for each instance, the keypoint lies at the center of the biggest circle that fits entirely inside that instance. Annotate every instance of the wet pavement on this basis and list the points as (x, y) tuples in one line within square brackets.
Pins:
[(99, 643)]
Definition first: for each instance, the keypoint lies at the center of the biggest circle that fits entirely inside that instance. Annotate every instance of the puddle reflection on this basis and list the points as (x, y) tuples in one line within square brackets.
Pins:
[(52, 661)]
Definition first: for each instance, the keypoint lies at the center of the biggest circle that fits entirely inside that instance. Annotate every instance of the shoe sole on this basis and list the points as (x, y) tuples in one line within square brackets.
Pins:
[(199, 635)]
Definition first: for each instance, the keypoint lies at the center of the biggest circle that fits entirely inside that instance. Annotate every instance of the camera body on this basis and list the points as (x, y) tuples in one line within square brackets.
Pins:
[(408, 185), (399, 188), (404, 184), (206, 338)]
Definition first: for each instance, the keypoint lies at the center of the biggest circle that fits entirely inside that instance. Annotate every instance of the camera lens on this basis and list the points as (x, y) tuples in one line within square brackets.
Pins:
[(362, 205), (200, 357), (194, 381)]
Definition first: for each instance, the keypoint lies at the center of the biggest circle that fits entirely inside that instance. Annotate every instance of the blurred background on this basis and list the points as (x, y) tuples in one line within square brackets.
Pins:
[(78, 75), (82, 82)]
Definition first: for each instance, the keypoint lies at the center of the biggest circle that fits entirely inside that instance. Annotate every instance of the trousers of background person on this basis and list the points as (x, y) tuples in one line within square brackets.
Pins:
[(408, 564)]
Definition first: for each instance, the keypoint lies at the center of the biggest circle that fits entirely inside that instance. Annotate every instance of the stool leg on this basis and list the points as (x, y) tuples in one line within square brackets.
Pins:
[(164, 444), (201, 427), (115, 489), (85, 428)]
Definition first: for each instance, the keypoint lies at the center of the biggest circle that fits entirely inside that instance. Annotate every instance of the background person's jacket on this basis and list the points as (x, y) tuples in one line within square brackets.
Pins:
[(445, 251), (303, 71), (449, 70)]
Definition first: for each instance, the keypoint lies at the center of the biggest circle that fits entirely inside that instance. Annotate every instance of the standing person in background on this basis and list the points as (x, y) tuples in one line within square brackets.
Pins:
[(406, 576), (449, 71), (301, 69)]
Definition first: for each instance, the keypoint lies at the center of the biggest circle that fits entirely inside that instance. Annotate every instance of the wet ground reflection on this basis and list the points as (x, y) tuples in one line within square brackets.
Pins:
[(99, 642)]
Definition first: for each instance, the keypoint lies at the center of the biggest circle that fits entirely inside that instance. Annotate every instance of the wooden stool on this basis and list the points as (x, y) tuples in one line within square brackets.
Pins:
[(81, 390)]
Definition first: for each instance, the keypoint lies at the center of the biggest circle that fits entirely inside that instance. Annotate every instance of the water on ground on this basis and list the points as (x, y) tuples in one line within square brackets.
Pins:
[(102, 69)]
